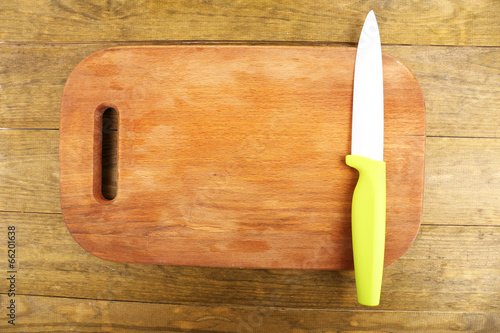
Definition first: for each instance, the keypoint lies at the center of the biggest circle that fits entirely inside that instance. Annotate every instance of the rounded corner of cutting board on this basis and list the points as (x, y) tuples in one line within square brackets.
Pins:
[(91, 60), (88, 60), (244, 72), (412, 79)]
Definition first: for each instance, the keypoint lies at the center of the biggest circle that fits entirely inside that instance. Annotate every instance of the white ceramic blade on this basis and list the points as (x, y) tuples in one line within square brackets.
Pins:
[(368, 94)]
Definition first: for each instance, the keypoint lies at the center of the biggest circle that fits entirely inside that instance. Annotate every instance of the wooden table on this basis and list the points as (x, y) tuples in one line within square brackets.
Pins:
[(448, 281)]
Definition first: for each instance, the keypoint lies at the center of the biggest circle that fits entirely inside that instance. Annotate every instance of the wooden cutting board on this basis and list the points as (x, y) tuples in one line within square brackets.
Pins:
[(231, 156)]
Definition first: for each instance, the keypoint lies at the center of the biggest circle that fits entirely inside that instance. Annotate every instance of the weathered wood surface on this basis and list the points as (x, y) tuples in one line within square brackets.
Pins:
[(401, 22), (29, 167), (462, 183), (460, 85), (448, 268), (461, 88), (447, 281), (49, 314), (455, 192)]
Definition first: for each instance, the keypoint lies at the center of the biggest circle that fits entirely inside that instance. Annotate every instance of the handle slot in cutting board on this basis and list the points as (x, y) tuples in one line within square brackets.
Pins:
[(232, 156), (105, 148)]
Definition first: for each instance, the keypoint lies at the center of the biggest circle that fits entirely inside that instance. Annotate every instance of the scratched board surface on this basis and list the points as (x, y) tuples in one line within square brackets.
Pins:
[(232, 156)]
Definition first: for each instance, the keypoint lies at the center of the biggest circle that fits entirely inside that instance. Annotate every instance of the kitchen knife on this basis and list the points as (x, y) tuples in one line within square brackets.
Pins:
[(367, 147)]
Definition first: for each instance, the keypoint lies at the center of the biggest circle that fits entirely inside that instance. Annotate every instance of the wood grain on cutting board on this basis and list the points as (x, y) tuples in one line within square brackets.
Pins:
[(232, 156)]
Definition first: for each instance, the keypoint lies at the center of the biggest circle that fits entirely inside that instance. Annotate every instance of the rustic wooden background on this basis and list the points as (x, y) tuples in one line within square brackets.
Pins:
[(448, 281)]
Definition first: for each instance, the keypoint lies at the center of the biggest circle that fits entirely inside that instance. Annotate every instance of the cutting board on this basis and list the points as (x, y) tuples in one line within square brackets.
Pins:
[(230, 156)]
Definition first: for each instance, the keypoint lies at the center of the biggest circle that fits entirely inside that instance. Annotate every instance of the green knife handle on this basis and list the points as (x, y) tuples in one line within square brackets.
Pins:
[(368, 227)]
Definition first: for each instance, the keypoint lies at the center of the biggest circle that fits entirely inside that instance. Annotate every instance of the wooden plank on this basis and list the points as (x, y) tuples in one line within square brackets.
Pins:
[(462, 184), (48, 314), (30, 171), (454, 193), (32, 80), (460, 85), (418, 22), (449, 268)]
